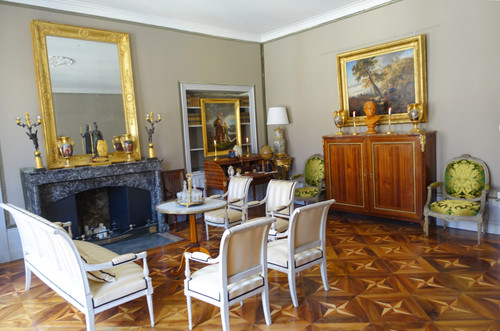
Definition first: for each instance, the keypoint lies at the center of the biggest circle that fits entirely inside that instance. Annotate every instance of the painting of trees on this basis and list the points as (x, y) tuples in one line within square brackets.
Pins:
[(386, 79)]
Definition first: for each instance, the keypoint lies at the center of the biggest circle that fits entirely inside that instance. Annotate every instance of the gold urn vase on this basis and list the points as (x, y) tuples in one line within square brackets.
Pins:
[(128, 142), (65, 145)]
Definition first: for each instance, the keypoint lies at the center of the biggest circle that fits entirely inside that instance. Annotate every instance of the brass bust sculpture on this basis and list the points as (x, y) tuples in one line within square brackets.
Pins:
[(371, 119)]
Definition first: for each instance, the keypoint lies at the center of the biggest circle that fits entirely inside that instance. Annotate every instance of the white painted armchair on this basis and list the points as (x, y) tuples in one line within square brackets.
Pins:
[(104, 281), (304, 247), (236, 210), (239, 272)]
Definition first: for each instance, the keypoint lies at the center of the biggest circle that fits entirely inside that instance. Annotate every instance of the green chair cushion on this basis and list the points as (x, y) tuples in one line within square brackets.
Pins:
[(314, 171), (464, 179), (456, 207), (306, 192)]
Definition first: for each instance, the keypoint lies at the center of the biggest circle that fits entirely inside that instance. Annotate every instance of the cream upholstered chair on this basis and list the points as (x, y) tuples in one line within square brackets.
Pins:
[(304, 247), (239, 272), (90, 277), (313, 180), (279, 203), (464, 192), (236, 210)]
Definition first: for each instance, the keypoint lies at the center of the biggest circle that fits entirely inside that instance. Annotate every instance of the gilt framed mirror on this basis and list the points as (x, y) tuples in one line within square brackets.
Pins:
[(85, 86)]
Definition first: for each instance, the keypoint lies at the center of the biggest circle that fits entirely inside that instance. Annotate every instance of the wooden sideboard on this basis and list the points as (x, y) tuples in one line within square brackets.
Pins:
[(380, 175), (216, 177)]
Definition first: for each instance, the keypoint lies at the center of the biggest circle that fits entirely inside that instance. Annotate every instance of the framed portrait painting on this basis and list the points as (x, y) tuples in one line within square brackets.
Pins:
[(220, 121), (393, 75)]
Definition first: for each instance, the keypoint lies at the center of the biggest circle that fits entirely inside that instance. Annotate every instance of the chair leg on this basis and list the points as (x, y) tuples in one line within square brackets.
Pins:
[(479, 232), (190, 319), (265, 304), (426, 226), (90, 320), (27, 274), (324, 275), (224, 315), (149, 298), (293, 288), (206, 230)]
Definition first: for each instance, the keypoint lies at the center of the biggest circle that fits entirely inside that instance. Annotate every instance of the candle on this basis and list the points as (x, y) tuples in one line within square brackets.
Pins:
[(215, 143), (147, 117), (159, 117), (247, 140), (39, 119), (354, 114), (390, 109)]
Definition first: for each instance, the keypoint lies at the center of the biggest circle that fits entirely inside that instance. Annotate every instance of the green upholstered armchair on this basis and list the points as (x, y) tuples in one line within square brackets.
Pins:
[(313, 180), (464, 194)]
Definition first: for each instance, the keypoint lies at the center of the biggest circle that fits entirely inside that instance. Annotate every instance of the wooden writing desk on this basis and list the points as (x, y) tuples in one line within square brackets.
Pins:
[(216, 177)]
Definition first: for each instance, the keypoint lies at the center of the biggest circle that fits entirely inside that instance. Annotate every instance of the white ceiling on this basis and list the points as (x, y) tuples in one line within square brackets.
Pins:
[(251, 20)]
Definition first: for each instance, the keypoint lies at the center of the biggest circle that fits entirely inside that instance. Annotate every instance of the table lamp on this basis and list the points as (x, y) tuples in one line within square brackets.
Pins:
[(277, 116)]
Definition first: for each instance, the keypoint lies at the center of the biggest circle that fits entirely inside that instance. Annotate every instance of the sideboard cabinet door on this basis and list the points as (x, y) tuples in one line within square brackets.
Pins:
[(380, 175)]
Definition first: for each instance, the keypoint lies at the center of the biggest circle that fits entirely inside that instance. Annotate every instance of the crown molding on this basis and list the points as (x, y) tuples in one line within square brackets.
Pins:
[(81, 7)]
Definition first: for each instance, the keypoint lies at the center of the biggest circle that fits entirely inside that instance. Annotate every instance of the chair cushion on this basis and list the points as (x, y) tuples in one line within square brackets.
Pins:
[(86, 251), (129, 276), (306, 192), (281, 225), (456, 207), (277, 254), (464, 179), (218, 216), (206, 281)]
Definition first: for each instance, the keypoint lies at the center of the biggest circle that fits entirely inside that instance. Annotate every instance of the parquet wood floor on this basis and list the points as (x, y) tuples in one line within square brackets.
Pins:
[(383, 275)]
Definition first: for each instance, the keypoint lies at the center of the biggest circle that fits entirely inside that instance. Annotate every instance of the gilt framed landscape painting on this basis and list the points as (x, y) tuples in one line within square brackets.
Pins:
[(393, 75), (220, 121)]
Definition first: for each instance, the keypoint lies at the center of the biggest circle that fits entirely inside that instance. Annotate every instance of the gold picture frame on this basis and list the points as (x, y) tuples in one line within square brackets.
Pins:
[(392, 74), (220, 121), (41, 31)]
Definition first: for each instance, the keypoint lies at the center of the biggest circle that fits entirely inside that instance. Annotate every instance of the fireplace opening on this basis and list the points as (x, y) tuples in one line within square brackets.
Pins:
[(105, 215)]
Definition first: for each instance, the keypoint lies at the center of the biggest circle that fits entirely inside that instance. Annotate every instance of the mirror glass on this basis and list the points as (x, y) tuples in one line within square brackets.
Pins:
[(86, 88), (85, 83)]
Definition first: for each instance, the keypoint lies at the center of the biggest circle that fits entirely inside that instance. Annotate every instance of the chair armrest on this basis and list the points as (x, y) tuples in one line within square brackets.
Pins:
[(296, 176), (234, 200), (117, 261), (279, 208), (66, 226), (198, 257), (215, 196), (430, 187), (435, 185), (254, 203)]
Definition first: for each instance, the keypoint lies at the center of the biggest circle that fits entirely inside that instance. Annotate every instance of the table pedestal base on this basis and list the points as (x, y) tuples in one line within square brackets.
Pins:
[(193, 247)]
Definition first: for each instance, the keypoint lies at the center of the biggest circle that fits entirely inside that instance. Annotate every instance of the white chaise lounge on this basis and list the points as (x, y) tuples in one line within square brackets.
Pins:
[(57, 260)]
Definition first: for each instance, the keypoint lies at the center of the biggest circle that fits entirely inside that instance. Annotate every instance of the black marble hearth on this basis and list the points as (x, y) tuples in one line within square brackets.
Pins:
[(123, 196)]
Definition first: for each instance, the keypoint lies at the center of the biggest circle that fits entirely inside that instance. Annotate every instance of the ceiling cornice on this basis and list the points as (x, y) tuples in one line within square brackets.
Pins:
[(81, 7)]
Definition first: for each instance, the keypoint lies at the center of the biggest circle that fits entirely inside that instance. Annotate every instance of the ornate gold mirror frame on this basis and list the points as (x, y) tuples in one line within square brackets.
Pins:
[(40, 30)]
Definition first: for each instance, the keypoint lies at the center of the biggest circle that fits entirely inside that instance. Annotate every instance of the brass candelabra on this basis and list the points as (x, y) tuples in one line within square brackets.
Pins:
[(33, 135), (151, 129)]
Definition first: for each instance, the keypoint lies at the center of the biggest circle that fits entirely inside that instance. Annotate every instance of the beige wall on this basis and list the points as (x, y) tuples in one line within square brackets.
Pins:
[(161, 59), (300, 73), (462, 68)]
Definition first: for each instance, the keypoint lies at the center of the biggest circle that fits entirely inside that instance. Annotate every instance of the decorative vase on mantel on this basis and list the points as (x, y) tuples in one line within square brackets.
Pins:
[(66, 149), (128, 142)]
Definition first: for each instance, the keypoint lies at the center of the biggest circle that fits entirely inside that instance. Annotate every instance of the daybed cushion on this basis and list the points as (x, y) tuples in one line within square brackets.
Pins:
[(129, 276)]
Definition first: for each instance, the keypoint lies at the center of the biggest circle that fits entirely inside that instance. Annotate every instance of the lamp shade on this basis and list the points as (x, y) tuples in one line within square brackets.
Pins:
[(277, 116)]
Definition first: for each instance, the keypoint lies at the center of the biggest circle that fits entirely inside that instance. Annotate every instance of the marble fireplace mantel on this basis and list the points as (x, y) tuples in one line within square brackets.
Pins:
[(41, 189)]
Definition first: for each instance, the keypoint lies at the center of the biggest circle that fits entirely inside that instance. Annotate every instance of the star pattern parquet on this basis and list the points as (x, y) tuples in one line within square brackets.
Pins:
[(383, 275)]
